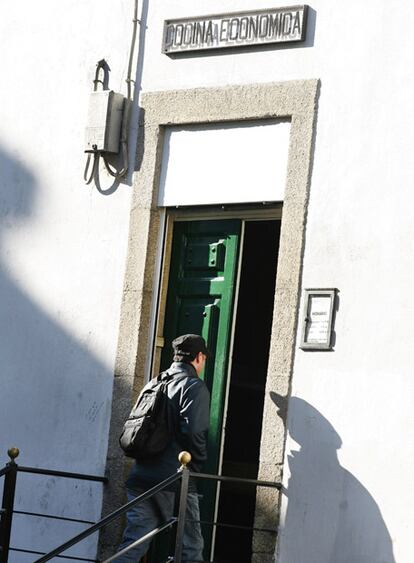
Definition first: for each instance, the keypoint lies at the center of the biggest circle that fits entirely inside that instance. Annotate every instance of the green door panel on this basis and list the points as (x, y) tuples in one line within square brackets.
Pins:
[(211, 313), (200, 300)]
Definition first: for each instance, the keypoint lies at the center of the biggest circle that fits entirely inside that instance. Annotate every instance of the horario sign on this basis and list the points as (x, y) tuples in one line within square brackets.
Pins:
[(278, 25)]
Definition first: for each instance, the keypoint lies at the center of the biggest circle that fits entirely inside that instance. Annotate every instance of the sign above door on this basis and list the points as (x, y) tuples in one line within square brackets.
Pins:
[(242, 29)]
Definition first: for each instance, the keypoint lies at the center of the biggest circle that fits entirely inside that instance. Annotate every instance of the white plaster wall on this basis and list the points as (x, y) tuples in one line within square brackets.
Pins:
[(350, 494), (62, 258)]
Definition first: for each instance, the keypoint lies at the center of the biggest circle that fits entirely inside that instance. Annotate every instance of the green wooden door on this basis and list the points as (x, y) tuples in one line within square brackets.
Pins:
[(200, 301)]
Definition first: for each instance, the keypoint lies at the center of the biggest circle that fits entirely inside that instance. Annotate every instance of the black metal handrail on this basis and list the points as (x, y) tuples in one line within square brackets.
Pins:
[(245, 480), (52, 517), (184, 476), (71, 557), (9, 471), (234, 526), (66, 474), (109, 518), (144, 538)]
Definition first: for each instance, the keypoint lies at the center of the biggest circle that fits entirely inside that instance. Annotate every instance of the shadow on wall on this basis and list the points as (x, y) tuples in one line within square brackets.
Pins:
[(330, 516), (55, 394)]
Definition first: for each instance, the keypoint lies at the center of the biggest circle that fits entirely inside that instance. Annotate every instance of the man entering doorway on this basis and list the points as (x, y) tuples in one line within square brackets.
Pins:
[(189, 403)]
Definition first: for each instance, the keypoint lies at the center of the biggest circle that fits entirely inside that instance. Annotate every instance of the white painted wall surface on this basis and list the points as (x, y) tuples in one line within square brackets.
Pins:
[(220, 164), (62, 258), (351, 494), (63, 246)]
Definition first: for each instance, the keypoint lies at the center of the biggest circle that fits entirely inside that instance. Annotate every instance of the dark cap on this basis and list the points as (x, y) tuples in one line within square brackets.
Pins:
[(189, 345)]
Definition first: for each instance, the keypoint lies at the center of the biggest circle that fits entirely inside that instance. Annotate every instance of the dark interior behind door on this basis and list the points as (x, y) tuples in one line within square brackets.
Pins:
[(247, 388)]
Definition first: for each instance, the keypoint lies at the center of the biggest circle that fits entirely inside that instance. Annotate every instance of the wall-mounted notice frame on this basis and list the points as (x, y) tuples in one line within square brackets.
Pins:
[(319, 308)]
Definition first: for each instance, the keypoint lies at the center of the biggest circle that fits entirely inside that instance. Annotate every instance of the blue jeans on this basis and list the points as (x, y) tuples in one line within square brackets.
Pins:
[(151, 513)]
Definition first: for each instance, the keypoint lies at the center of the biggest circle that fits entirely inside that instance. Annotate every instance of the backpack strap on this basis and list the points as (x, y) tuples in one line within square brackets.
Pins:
[(165, 377), (170, 376), (154, 381)]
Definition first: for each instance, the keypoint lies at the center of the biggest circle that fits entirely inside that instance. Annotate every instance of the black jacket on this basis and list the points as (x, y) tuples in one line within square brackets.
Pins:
[(189, 410)]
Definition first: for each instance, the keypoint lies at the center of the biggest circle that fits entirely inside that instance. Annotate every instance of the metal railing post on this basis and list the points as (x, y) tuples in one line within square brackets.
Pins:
[(7, 505), (185, 459)]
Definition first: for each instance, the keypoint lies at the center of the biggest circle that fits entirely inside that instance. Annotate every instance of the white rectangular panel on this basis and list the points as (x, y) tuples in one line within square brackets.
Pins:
[(224, 163)]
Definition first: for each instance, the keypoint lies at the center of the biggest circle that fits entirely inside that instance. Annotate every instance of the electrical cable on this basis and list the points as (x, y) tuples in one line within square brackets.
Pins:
[(88, 179), (132, 49), (127, 105)]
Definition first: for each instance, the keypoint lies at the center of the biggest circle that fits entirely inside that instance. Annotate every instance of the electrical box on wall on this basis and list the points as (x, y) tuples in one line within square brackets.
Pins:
[(104, 122)]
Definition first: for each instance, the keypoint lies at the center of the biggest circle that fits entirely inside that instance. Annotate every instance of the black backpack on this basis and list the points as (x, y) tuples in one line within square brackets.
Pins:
[(147, 430)]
